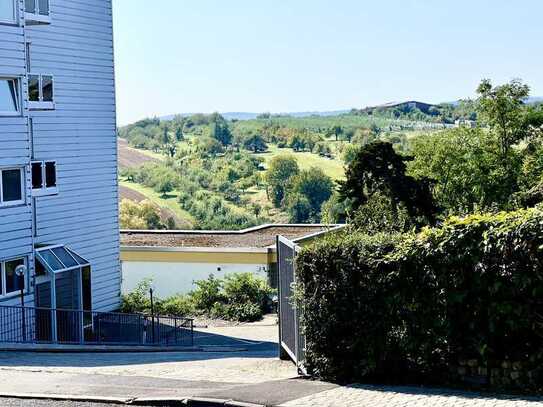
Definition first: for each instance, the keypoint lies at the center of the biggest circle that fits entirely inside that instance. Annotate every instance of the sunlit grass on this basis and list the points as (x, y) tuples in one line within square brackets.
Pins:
[(170, 201), (334, 168)]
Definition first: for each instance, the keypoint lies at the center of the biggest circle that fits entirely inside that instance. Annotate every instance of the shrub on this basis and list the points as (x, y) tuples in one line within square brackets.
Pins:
[(242, 312), (177, 305), (243, 288), (207, 293), (458, 303), (137, 300), (239, 297)]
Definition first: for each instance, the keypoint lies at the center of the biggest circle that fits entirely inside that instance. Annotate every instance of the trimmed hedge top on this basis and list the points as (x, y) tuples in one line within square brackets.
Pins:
[(458, 303)]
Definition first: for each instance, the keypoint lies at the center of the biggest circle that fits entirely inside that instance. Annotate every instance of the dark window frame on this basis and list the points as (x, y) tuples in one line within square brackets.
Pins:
[(45, 189), (21, 201), (3, 277), (16, 96), (40, 103)]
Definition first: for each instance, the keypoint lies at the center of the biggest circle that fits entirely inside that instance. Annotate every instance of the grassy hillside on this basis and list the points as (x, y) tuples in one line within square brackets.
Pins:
[(333, 167), (213, 171), (169, 203)]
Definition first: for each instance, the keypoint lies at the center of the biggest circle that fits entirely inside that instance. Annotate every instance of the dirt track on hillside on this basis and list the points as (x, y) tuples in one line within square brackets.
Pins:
[(130, 157), (165, 213)]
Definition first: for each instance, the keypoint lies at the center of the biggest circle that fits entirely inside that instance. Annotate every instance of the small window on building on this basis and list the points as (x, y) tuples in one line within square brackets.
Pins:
[(37, 175), (11, 182), (47, 88), (8, 12), (43, 7), (34, 88), (30, 6), (40, 92), (9, 97), (44, 178), (50, 174), (14, 283), (37, 12)]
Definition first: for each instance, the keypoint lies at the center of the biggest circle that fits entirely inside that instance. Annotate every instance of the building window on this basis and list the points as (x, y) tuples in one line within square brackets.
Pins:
[(8, 12), (44, 178), (40, 92), (11, 282), (50, 174), (37, 11), (9, 97), (11, 186)]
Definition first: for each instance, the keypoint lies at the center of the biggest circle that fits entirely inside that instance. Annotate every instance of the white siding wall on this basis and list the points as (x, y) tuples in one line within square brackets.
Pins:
[(16, 221), (77, 49)]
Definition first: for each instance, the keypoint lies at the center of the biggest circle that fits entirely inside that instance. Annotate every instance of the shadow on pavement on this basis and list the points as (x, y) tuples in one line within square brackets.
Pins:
[(215, 346)]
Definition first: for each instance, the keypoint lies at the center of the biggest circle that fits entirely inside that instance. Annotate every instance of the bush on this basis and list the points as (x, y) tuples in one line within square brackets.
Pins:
[(239, 297), (207, 293), (243, 288), (242, 312), (458, 303), (137, 300), (177, 305)]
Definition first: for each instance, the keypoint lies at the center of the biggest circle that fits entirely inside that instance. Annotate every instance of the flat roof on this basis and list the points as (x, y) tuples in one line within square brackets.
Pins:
[(257, 237)]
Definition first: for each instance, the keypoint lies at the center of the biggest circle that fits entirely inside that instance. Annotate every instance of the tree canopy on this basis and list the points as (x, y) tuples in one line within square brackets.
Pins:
[(378, 168)]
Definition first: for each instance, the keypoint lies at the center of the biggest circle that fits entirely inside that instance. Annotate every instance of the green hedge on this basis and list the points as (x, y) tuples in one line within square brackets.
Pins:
[(462, 303)]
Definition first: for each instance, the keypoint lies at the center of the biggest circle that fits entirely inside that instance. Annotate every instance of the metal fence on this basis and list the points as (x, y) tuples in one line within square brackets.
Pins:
[(37, 325)]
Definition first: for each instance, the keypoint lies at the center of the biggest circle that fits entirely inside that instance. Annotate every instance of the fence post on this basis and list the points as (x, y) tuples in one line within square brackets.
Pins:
[(81, 327), (141, 331)]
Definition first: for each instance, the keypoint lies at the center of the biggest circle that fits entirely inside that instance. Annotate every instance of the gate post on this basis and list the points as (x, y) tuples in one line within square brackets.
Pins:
[(283, 355)]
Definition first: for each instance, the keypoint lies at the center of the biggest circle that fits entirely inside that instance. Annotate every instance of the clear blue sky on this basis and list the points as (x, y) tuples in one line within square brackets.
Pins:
[(298, 55)]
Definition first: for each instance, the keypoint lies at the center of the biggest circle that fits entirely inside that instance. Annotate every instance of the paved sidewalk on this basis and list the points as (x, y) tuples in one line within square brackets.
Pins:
[(370, 396), (253, 376)]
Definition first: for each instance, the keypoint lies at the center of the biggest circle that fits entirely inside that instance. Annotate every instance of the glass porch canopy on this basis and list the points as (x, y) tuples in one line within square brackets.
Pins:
[(59, 259), (63, 287)]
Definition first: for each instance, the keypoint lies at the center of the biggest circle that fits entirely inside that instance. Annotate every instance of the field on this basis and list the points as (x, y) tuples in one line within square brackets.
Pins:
[(334, 168), (168, 204), (130, 157)]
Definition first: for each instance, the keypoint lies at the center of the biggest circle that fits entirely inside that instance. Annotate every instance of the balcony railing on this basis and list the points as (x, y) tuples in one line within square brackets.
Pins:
[(37, 12), (37, 325)]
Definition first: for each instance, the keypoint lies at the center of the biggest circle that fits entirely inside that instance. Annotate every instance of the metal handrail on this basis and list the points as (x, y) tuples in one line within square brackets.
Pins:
[(48, 325)]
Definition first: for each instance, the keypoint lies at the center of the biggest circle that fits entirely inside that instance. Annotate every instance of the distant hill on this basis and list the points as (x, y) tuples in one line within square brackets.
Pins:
[(535, 99), (252, 115), (423, 106)]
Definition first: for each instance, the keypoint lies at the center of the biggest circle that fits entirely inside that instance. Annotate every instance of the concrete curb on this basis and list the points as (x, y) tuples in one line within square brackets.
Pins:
[(137, 401), (194, 402)]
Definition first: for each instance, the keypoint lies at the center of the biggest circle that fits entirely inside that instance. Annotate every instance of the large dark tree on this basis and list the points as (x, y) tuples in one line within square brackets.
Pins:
[(377, 168), (220, 130)]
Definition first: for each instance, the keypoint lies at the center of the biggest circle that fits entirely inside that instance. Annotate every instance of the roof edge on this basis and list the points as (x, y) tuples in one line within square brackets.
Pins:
[(201, 249), (228, 232)]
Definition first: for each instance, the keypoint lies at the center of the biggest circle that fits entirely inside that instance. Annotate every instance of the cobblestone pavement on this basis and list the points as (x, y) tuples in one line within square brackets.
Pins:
[(362, 396)]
